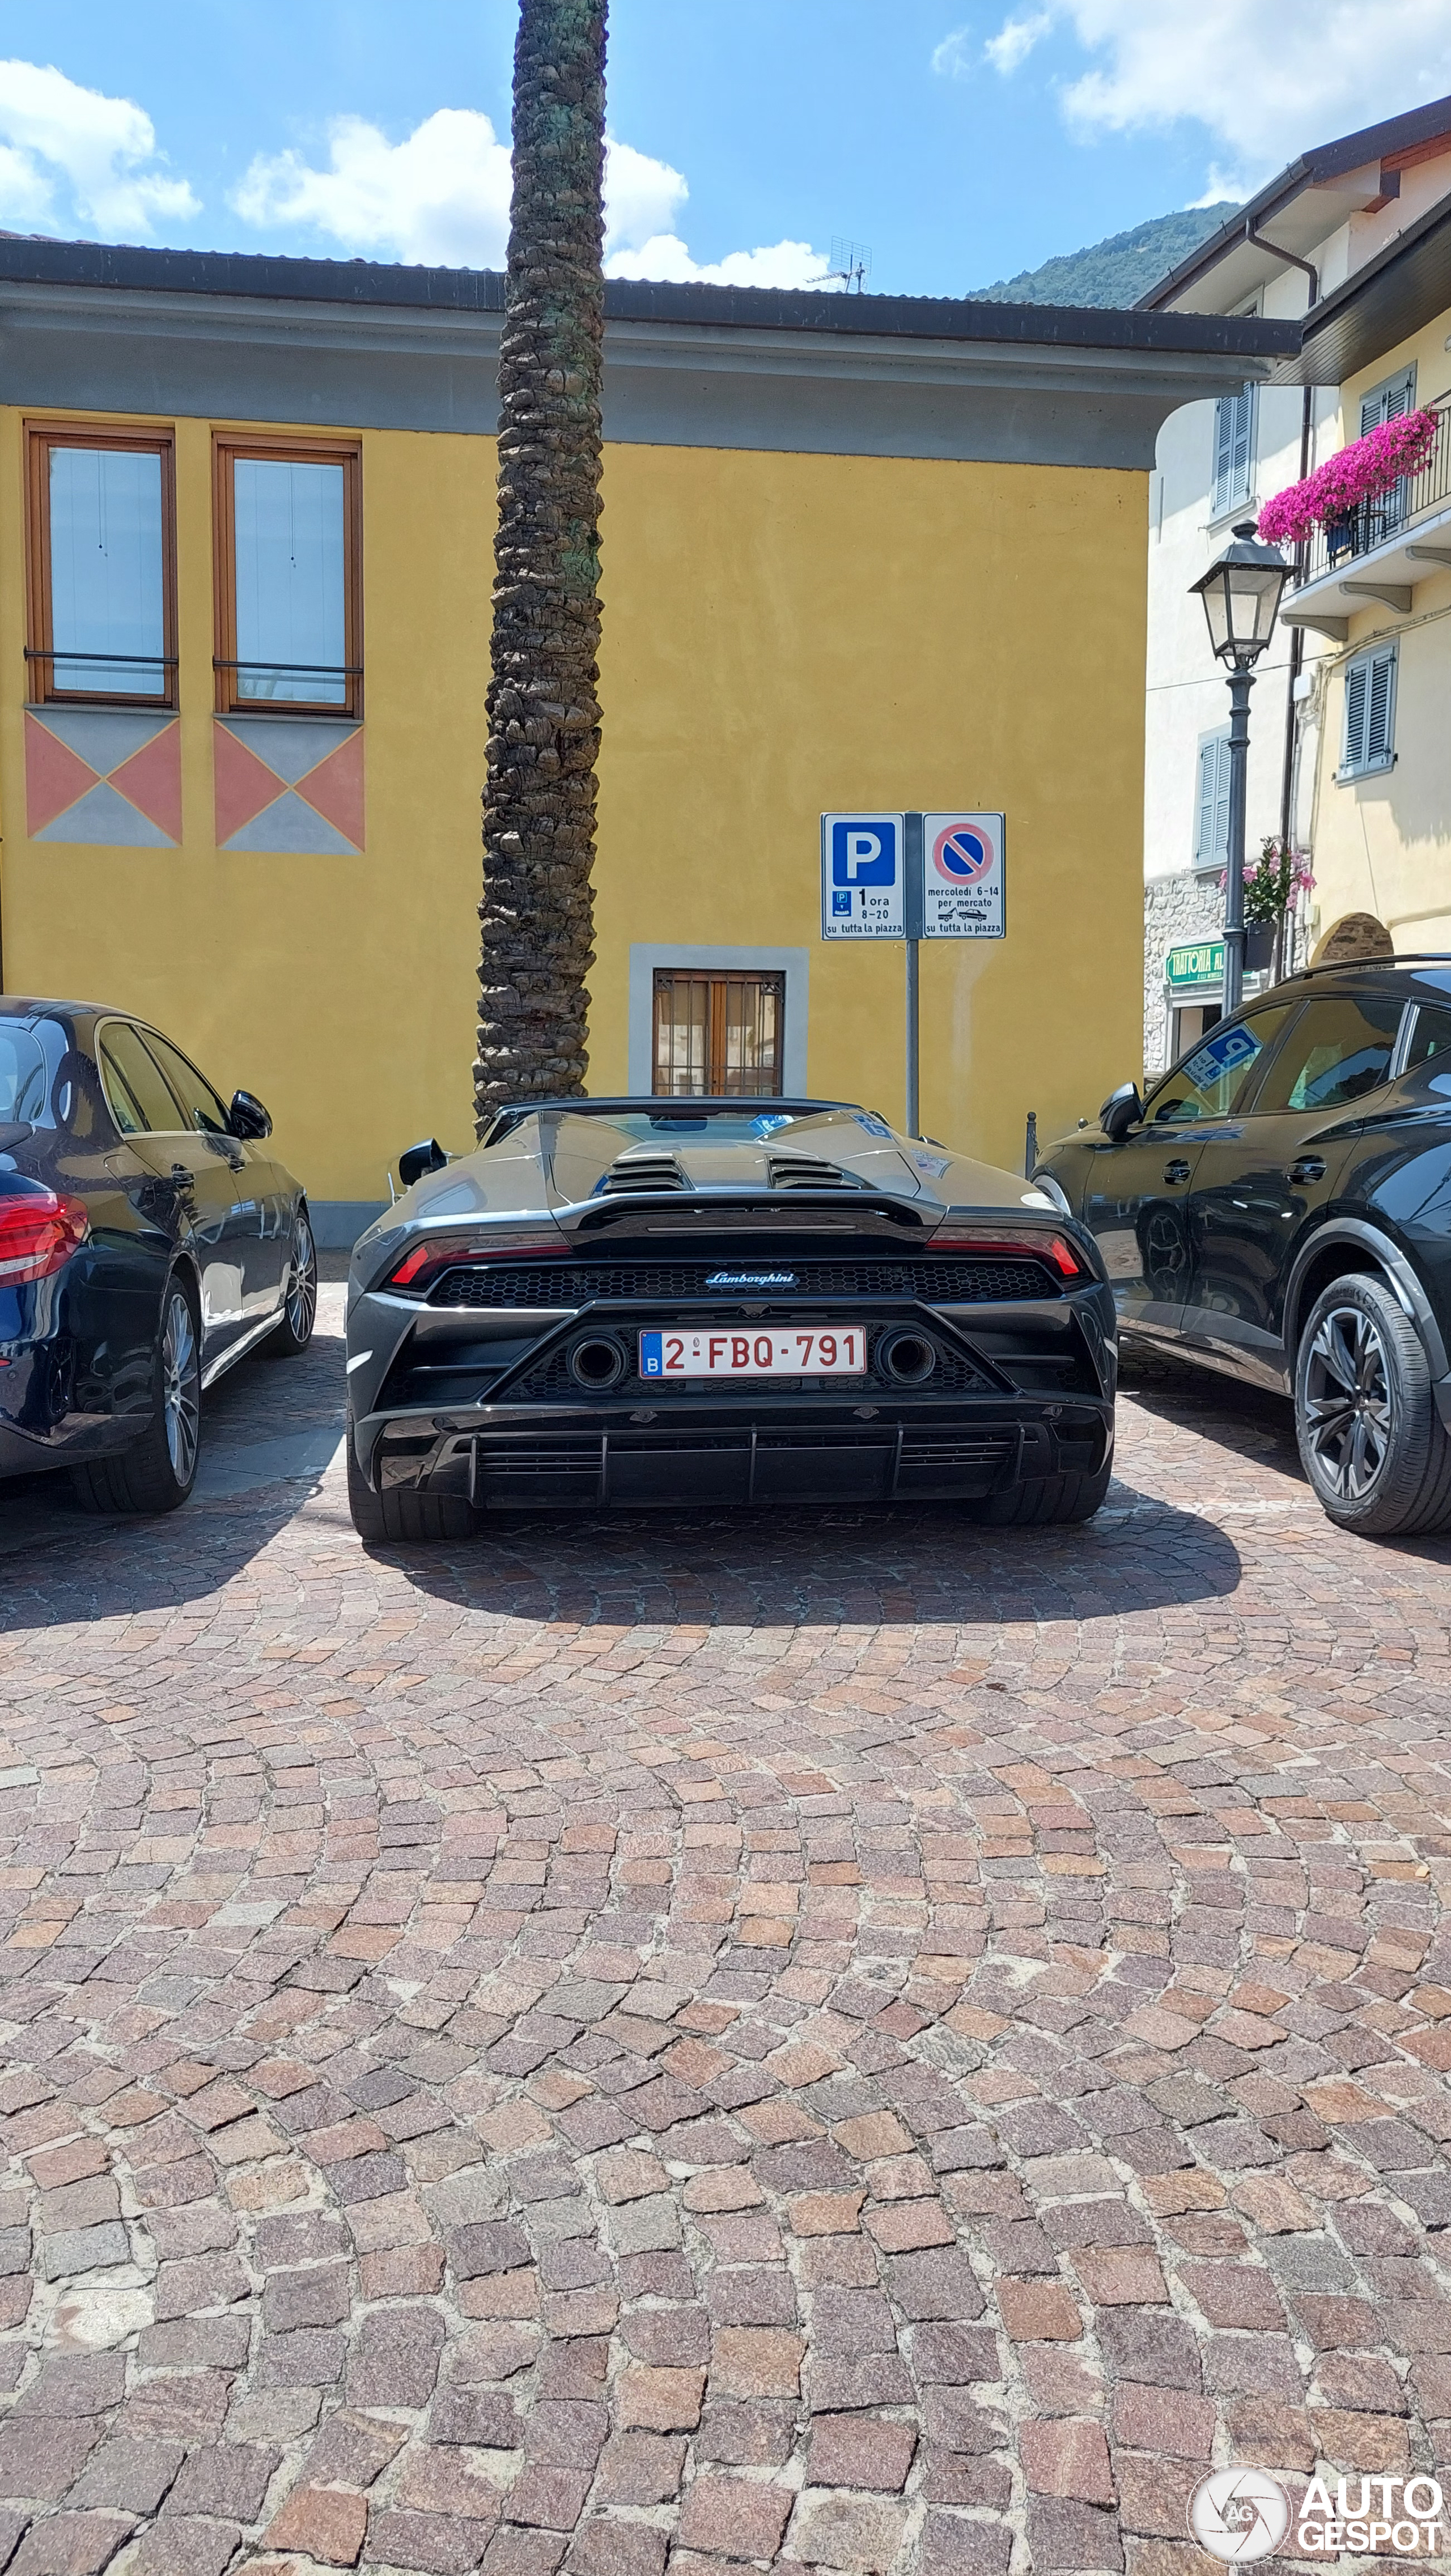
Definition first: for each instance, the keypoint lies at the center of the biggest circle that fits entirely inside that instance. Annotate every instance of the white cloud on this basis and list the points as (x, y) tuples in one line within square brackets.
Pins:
[(956, 56), (785, 263), (73, 156), (1265, 82), (442, 195), (643, 198), (1015, 40)]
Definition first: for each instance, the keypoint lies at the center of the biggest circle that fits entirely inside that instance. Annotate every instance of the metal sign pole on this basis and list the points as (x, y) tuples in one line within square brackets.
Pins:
[(912, 919)]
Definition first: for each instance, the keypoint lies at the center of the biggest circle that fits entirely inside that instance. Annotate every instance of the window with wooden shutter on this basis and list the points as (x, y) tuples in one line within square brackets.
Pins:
[(1211, 837), (1370, 713), (1233, 451), (718, 1036)]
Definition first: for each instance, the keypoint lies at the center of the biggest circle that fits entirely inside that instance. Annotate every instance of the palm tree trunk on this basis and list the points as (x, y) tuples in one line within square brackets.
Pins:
[(544, 717)]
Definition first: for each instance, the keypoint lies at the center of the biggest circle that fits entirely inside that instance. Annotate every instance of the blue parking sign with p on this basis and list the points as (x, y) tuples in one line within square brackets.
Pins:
[(861, 876), (863, 853)]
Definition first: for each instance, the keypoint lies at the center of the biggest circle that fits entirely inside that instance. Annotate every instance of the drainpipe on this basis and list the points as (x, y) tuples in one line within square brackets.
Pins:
[(1292, 259)]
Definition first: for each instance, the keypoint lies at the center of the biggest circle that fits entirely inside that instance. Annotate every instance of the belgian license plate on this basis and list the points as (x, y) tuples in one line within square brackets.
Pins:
[(830, 1350)]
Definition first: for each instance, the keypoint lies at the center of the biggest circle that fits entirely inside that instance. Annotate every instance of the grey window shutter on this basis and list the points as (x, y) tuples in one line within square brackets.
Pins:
[(1388, 402), (1378, 706), (1243, 409), (1223, 455), (1221, 798), (1355, 697)]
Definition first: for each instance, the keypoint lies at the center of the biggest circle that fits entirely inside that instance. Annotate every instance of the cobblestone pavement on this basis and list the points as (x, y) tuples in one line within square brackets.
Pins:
[(641, 2044)]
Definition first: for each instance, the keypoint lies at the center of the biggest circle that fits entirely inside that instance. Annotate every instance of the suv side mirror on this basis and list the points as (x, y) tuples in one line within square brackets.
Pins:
[(248, 1119), (419, 1160), (1122, 1110)]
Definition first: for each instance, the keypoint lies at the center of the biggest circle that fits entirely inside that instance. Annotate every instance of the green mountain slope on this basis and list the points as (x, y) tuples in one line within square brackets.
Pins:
[(1116, 271)]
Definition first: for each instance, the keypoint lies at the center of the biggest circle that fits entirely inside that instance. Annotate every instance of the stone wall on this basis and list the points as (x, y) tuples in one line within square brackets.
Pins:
[(1186, 904)]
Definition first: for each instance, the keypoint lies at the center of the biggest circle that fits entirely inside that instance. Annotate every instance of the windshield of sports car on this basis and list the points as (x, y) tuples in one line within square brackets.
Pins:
[(679, 1122)]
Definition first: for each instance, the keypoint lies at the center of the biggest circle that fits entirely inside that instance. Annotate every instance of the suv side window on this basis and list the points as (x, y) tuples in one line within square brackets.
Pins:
[(136, 1095), (1339, 1049), (203, 1108), (1430, 1040), (1210, 1081)]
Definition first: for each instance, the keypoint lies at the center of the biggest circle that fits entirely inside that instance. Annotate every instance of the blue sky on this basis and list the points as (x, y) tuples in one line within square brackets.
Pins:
[(960, 142)]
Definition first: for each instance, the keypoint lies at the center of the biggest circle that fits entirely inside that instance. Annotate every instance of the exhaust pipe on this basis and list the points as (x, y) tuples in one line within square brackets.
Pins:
[(909, 1358), (597, 1362)]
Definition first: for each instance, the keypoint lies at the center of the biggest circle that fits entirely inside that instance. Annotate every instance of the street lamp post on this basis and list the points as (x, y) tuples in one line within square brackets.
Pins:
[(1241, 594)]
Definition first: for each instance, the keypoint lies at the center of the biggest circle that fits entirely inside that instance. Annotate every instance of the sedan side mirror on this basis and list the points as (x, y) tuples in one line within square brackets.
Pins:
[(248, 1119), (1122, 1110), (419, 1160)]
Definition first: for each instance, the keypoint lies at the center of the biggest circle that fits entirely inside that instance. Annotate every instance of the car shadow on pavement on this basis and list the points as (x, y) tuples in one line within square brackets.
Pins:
[(270, 1430), (884, 1566), (1252, 1421)]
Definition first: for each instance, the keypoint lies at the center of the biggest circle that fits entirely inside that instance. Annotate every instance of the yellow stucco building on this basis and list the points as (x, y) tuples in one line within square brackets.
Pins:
[(857, 553)]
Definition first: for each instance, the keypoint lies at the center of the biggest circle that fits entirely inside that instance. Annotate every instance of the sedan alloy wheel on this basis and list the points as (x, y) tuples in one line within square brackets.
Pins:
[(180, 1387)]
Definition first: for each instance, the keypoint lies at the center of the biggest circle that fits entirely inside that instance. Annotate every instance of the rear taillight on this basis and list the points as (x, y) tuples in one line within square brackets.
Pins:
[(1031, 1242), (38, 1234), (427, 1262)]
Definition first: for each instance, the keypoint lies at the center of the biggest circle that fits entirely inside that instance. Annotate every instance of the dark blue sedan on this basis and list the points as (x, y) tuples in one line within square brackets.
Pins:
[(148, 1239)]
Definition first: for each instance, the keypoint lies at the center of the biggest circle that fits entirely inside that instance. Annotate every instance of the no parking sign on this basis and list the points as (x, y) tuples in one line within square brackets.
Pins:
[(962, 876)]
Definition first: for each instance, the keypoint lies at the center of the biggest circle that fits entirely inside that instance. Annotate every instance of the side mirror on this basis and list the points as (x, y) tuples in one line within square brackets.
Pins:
[(420, 1160), (248, 1119), (1122, 1110)]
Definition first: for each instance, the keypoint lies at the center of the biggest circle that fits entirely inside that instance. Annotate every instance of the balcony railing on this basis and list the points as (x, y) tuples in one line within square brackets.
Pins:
[(1376, 523)]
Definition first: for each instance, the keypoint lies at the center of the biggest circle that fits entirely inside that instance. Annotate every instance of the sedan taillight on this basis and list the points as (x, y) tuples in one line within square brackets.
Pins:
[(38, 1234)]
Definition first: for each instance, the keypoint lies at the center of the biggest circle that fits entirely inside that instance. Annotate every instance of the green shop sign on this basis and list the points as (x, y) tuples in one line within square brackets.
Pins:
[(1189, 970)]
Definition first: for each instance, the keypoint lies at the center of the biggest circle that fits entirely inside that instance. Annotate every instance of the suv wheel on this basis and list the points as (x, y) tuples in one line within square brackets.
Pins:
[(159, 1470), (1370, 1437)]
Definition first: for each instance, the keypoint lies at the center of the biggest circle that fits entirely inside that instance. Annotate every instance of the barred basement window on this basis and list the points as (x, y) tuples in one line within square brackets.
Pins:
[(718, 1036), (1370, 714)]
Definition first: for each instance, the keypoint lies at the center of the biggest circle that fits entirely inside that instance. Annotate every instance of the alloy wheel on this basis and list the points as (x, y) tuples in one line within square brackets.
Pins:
[(1348, 1401), (302, 1283), (180, 1387)]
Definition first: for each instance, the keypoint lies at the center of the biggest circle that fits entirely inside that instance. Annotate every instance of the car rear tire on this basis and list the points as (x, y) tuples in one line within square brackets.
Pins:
[(403, 1514), (1371, 1441), (1044, 1499), (159, 1470), (299, 1309)]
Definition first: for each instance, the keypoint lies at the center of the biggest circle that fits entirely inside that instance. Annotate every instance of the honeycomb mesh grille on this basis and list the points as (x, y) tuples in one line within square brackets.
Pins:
[(572, 1283)]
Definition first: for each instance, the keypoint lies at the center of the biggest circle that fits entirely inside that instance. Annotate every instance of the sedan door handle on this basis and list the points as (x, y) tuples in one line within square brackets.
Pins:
[(1176, 1171), (1309, 1168)]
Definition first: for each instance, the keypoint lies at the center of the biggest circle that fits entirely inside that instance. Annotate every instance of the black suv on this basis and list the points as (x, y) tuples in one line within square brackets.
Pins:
[(1280, 1208)]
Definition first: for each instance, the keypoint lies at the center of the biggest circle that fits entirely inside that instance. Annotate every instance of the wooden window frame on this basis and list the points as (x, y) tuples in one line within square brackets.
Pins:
[(227, 447), (41, 436), (717, 980)]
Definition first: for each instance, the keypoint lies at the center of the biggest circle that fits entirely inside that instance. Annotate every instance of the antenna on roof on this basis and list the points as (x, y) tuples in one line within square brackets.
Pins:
[(851, 262)]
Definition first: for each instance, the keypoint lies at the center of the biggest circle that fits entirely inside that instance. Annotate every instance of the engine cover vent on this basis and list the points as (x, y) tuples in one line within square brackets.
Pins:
[(807, 1172), (630, 1173)]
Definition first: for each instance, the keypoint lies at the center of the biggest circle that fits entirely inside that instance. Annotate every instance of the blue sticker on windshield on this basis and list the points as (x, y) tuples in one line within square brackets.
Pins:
[(874, 1125), (1220, 1053), (768, 1126)]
